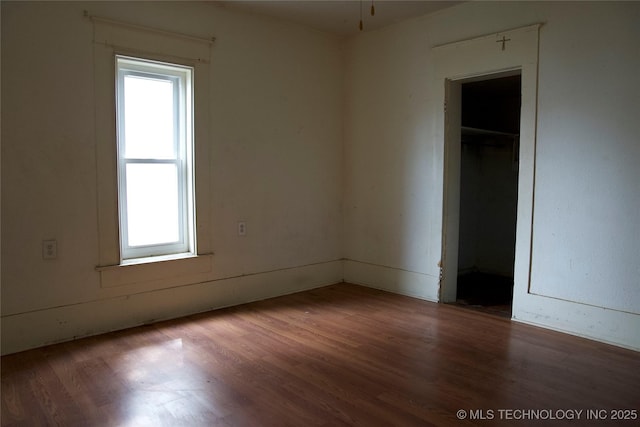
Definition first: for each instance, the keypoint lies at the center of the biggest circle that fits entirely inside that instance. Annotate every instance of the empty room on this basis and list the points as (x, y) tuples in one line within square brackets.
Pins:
[(324, 213)]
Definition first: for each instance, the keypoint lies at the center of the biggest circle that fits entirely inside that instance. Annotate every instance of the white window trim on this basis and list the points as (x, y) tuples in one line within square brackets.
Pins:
[(182, 78), (115, 38)]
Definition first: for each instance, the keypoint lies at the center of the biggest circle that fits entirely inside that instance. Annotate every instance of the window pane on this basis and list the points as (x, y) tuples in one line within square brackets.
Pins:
[(148, 118), (153, 205)]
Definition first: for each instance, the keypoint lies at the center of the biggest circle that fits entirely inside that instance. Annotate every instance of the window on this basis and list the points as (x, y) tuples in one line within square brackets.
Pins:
[(155, 158), (157, 174)]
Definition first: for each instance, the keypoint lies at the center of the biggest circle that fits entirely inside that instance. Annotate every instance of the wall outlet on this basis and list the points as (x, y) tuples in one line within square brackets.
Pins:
[(49, 249), (242, 228)]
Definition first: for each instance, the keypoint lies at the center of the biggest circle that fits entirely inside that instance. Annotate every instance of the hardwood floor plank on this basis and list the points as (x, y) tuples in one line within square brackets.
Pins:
[(342, 355)]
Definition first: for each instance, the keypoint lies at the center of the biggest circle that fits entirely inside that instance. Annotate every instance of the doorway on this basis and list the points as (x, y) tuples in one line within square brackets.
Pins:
[(489, 161), (488, 57)]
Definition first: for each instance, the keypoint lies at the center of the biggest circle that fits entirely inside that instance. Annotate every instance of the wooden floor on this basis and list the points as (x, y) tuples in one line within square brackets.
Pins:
[(341, 355)]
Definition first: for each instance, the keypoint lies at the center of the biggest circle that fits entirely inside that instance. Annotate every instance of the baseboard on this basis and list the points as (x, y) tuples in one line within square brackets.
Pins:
[(595, 323), (34, 329), (600, 324), (404, 282), (24, 331)]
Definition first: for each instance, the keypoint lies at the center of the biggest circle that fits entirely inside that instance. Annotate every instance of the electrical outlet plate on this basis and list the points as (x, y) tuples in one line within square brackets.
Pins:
[(49, 249), (242, 228)]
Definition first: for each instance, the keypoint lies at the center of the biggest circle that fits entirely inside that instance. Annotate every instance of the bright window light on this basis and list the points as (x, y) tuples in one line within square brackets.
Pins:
[(152, 204), (149, 118)]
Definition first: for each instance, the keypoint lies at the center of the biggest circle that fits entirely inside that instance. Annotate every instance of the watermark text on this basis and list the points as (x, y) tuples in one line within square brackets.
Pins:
[(548, 414)]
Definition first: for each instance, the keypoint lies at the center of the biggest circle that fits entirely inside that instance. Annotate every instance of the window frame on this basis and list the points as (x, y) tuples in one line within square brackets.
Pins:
[(181, 77), (111, 38)]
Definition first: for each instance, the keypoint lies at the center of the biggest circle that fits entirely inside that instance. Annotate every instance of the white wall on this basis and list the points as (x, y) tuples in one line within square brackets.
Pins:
[(586, 234), (325, 160), (276, 140), (393, 175)]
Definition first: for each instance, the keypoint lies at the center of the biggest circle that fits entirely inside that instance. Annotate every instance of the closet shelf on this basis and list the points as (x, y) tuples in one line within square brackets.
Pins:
[(466, 130)]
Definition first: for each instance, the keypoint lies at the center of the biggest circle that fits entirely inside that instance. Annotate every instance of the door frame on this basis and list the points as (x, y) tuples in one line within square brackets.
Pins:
[(478, 59)]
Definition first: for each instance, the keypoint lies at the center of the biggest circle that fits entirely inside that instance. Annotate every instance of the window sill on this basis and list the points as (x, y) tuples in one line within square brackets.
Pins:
[(152, 259), (153, 268)]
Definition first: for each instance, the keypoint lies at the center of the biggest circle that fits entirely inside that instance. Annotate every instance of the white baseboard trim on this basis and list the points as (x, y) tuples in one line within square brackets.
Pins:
[(595, 323), (600, 324), (24, 331), (404, 282)]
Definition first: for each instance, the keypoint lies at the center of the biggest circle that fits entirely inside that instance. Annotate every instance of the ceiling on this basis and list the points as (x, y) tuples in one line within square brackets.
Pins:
[(340, 17)]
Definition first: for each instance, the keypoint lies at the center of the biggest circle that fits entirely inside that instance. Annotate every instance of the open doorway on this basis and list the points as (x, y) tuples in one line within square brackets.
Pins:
[(472, 61), (489, 147)]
